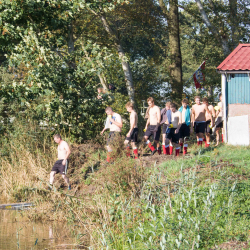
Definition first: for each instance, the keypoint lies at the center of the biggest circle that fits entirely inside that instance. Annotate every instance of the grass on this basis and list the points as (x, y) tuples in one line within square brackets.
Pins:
[(196, 202)]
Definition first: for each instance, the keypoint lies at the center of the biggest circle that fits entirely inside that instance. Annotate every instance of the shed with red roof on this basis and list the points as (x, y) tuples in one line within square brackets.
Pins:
[(235, 85)]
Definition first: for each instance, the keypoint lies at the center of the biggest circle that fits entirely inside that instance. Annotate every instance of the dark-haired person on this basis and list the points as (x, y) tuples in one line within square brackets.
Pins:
[(173, 134), (153, 125), (114, 124), (185, 126), (61, 164), (219, 121), (165, 117), (199, 119), (133, 131), (209, 121)]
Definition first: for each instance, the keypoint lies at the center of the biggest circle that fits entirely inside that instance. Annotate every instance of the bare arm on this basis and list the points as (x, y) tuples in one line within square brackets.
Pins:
[(192, 120), (118, 124), (103, 130), (158, 116), (179, 123), (207, 110), (106, 125), (66, 147), (132, 123), (192, 117), (213, 115), (147, 123)]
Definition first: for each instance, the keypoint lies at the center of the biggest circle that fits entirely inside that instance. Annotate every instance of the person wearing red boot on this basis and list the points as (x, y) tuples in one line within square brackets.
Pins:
[(165, 116), (209, 121), (153, 126), (198, 118), (172, 133), (114, 123), (185, 129), (133, 131)]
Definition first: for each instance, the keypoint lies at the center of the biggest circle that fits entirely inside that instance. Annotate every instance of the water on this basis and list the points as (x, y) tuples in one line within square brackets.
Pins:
[(16, 233)]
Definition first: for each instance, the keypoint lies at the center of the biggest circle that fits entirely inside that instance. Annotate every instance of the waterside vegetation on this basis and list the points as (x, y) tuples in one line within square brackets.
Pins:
[(196, 202)]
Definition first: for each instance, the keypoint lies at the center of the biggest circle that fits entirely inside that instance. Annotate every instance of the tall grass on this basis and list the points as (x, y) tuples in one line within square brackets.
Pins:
[(189, 204), (194, 202), (26, 156)]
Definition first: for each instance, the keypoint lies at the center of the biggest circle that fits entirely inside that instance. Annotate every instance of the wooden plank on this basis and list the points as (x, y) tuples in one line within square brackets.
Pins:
[(15, 206)]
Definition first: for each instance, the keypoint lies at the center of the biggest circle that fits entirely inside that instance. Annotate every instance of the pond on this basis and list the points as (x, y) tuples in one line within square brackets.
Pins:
[(16, 233)]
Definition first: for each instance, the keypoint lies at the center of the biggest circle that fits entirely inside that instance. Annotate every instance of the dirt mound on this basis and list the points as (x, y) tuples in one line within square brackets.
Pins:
[(233, 245)]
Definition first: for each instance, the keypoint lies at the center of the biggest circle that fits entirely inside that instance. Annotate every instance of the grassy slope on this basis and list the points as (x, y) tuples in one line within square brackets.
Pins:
[(192, 203)]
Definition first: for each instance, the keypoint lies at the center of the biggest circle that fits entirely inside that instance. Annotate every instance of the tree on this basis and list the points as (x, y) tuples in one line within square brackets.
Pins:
[(175, 65), (40, 40)]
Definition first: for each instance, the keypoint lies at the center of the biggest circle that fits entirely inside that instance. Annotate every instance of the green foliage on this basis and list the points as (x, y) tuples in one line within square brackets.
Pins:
[(198, 210), (57, 52)]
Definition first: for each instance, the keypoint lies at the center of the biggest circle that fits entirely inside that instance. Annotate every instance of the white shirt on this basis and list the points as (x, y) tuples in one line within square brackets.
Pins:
[(113, 128)]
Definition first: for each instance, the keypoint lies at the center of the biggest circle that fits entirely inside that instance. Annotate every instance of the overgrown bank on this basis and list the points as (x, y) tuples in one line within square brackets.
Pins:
[(195, 202)]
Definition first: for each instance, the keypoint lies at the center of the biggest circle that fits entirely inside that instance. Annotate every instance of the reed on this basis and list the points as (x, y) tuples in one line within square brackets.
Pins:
[(187, 203)]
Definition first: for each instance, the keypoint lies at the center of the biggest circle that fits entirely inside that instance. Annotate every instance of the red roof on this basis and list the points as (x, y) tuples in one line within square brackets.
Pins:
[(239, 59)]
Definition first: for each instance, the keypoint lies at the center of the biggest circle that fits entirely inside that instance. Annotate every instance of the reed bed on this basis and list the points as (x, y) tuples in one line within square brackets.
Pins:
[(197, 202)]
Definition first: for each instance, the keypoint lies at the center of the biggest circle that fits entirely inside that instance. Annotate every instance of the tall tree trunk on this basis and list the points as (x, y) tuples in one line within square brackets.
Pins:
[(100, 75), (121, 53), (174, 43), (233, 21), (221, 39), (71, 46), (210, 91), (175, 49)]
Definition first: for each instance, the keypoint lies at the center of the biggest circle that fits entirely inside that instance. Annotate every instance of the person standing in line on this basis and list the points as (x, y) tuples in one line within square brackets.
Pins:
[(185, 126), (61, 164), (209, 121), (153, 126), (165, 116), (132, 134), (173, 134), (114, 123), (219, 121), (199, 119)]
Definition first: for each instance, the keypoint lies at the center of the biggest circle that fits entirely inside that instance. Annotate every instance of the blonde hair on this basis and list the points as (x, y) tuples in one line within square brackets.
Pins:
[(150, 99), (129, 105)]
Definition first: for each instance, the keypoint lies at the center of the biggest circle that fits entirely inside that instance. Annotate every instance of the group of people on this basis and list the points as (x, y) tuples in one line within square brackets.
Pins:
[(175, 124)]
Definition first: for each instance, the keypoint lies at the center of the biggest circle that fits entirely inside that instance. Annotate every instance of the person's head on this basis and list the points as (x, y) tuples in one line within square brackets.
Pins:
[(129, 106), (109, 111), (100, 90), (205, 101), (151, 102), (57, 138), (173, 107), (197, 100), (220, 96), (184, 103), (167, 105)]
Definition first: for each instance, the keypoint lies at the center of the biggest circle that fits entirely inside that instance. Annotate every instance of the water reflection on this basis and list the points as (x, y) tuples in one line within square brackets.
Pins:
[(15, 233)]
